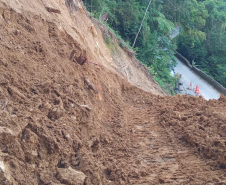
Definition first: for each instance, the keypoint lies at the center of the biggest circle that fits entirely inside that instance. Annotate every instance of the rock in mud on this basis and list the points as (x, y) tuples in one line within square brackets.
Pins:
[(5, 177), (7, 135), (70, 176), (55, 113)]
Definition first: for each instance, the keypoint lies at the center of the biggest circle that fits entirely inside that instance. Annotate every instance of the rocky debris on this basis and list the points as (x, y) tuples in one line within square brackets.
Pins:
[(70, 176), (5, 177), (201, 128), (55, 113), (3, 103), (29, 145), (7, 135)]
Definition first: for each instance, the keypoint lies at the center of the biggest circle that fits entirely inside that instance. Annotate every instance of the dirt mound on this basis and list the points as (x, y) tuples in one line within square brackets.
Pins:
[(201, 124), (67, 121)]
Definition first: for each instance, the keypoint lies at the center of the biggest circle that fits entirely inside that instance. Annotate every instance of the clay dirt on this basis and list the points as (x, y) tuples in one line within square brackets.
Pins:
[(77, 111)]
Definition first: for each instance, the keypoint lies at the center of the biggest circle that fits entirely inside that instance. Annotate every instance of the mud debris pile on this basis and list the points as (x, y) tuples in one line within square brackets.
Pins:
[(66, 123)]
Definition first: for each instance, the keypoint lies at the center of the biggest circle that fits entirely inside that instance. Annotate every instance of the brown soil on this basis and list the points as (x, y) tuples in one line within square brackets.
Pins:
[(66, 123)]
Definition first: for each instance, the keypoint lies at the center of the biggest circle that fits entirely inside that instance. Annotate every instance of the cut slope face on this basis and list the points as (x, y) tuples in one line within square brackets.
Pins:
[(85, 36), (66, 123)]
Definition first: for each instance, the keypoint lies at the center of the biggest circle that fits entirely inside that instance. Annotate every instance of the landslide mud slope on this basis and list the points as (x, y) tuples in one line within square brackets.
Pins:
[(66, 123)]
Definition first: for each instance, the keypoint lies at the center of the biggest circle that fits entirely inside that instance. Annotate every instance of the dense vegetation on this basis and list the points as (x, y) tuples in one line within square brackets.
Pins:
[(202, 39), (153, 45)]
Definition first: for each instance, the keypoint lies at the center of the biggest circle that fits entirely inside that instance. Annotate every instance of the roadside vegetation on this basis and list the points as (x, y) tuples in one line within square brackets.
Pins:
[(202, 39), (203, 36)]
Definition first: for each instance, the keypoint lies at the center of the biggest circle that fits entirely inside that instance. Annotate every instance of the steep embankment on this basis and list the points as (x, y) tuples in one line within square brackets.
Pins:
[(67, 123)]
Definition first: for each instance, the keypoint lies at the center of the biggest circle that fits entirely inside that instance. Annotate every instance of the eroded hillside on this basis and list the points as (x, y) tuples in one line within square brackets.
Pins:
[(64, 120)]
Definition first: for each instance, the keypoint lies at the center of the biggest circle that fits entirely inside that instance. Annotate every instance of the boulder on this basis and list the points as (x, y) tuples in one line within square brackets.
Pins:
[(7, 135), (5, 177), (70, 176)]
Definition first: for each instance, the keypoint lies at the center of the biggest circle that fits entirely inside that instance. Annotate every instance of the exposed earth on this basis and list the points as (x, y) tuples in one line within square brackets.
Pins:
[(64, 120)]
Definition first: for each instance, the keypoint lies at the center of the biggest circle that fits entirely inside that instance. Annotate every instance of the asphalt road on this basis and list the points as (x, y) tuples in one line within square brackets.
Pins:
[(188, 76), (207, 90)]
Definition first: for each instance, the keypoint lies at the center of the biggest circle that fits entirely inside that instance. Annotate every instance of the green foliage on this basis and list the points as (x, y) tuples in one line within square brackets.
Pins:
[(153, 47), (202, 38), (108, 39), (122, 43), (163, 23), (164, 79), (206, 44)]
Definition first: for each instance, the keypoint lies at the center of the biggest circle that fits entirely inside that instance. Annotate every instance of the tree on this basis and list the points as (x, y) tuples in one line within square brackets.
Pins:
[(141, 23)]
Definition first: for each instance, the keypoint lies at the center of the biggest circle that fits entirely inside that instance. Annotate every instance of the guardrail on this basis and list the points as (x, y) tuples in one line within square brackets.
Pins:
[(203, 75)]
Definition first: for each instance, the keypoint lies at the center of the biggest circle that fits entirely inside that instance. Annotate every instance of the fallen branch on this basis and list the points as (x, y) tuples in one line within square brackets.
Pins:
[(54, 10), (91, 62), (14, 91), (73, 101), (91, 86), (84, 60), (86, 106), (79, 59)]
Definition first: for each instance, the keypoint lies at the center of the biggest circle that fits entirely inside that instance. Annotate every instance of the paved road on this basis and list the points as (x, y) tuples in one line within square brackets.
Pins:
[(188, 76), (207, 90)]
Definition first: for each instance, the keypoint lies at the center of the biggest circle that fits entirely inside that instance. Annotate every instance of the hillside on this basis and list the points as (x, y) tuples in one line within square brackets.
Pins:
[(64, 120)]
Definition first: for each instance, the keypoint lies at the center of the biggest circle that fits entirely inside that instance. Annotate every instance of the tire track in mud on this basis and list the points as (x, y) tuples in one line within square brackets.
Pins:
[(160, 157), (53, 123)]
